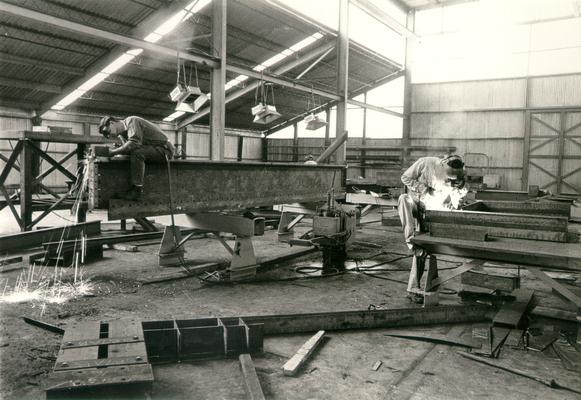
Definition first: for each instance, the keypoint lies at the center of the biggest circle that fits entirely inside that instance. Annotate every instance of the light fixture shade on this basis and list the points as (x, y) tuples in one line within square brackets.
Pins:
[(314, 122), (185, 94), (192, 103), (264, 114)]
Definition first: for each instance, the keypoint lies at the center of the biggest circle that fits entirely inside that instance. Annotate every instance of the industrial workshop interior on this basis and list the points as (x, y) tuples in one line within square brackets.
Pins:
[(290, 199)]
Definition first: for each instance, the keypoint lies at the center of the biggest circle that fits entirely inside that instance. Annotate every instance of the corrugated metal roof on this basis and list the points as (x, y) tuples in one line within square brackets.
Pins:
[(41, 53)]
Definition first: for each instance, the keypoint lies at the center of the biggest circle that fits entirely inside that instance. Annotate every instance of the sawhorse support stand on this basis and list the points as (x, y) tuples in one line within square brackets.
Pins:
[(432, 279), (243, 259)]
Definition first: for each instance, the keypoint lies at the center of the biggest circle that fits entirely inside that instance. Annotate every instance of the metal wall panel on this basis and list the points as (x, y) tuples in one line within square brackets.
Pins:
[(471, 95), (505, 157), (564, 90), (470, 125), (252, 149)]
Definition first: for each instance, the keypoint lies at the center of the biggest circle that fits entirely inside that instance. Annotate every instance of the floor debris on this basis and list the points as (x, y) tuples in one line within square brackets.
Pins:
[(292, 366)]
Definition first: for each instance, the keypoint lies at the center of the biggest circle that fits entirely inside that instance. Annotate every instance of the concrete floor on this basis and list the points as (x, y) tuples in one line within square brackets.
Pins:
[(340, 369)]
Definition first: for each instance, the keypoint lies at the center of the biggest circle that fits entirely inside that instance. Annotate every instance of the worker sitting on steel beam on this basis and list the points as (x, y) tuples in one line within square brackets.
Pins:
[(143, 141), (432, 183)]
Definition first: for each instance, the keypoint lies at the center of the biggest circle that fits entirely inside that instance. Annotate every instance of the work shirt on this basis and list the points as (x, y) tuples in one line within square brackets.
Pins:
[(142, 132), (425, 173)]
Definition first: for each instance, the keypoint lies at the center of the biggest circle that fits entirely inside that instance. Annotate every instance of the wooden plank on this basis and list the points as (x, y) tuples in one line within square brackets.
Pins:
[(17, 241), (557, 288), (435, 338), (490, 280), (292, 366), (251, 382), (511, 314), (548, 255), (476, 233)]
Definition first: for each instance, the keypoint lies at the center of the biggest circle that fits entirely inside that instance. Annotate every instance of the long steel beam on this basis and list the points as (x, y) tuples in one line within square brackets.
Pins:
[(365, 319), (373, 11), (211, 185), (499, 220), (549, 255)]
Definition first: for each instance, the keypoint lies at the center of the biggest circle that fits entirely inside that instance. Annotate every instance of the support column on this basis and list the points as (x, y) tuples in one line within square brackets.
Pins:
[(328, 127), (240, 147), (218, 106), (407, 96), (264, 149), (26, 179), (295, 142), (184, 142), (342, 77), (81, 150), (364, 136)]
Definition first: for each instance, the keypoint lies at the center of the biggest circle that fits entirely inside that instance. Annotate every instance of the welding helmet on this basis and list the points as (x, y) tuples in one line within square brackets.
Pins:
[(454, 165), (104, 125)]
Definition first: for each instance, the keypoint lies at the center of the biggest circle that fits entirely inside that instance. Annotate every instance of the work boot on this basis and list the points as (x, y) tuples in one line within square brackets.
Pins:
[(133, 194)]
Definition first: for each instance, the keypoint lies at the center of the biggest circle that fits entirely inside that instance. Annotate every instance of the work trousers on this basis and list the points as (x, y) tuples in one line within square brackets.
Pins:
[(410, 214), (146, 153)]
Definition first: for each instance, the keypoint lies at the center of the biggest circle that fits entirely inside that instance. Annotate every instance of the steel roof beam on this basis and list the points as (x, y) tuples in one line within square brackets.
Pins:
[(373, 11), (253, 85), (20, 60), (22, 84), (143, 28), (102, 34), (132, 42), (330, 104)]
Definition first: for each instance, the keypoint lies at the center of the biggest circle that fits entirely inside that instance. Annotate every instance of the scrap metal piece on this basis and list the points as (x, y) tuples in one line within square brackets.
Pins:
[(435, 338)]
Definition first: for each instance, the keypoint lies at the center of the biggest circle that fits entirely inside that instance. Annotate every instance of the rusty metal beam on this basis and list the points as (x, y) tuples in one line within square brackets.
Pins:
[(498, 220), (211, 185), (546, 208), (549, 255)]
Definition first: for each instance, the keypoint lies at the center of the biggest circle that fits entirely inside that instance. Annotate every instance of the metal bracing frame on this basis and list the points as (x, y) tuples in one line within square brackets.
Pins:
[(24, 153), (375, 12), (561, 134)]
